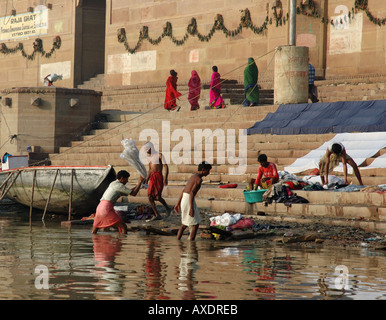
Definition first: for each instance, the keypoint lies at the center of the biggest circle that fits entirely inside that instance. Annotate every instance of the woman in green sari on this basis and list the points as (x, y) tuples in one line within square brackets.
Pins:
[(251, 90)]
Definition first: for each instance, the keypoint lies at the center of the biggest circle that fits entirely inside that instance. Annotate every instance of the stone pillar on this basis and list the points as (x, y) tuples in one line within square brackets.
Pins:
[(291, 75)]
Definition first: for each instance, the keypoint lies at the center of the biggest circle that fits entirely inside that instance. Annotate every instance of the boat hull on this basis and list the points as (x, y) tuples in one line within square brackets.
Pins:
[(88, 186)]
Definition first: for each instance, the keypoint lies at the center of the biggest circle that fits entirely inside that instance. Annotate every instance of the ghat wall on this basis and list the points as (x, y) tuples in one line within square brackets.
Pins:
[(344, 41)]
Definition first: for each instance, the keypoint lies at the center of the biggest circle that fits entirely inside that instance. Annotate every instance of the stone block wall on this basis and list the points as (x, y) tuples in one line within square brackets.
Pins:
[(45, 118), (351, 42)]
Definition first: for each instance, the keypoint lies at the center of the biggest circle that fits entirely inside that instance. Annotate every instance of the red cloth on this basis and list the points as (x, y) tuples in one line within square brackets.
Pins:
[(105, 215), (171, 93), (269, 172), (194, 90), (156, 185), (106, 248), (225, 186)]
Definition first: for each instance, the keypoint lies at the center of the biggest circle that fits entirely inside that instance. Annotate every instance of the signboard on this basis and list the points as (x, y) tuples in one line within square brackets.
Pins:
[(24, 25)]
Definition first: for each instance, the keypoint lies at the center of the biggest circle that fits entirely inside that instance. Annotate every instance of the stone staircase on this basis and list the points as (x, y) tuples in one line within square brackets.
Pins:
[(103, 146), (134, 111), (352, 89), (96, 83)]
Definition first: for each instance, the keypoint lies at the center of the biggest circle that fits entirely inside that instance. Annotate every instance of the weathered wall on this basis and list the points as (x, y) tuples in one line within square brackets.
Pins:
[(356, 46), (49, 124), (151, 63), (17, 70), (349, 47)]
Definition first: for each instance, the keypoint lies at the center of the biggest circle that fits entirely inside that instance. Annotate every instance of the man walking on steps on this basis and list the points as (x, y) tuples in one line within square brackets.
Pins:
[(156, 179)]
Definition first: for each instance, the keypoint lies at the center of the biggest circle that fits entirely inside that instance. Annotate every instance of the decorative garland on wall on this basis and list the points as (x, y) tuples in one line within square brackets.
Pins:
[(192, 30), (363, 5), (37, 49), (308, 9)]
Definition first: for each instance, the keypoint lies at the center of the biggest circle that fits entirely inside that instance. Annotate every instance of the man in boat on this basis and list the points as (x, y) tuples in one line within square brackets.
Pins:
[(156, 179), (105, 215), (190, 215)]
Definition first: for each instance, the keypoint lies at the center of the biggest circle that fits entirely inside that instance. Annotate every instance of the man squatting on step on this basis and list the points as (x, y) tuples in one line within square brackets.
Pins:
[(190, 215), (267, 174), (335, 153), (105, 215)]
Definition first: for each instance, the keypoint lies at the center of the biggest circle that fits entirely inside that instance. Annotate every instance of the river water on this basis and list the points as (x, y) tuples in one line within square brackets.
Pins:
[(47, 261)]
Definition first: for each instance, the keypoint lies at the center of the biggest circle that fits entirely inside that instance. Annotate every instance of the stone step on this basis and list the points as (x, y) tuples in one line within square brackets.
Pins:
[(368, 217), (314, 197), (356, 89)]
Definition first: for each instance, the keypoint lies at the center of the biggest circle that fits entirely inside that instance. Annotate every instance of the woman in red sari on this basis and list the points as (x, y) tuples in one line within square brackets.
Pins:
[(216, 101), (194, 90), (171, 92)]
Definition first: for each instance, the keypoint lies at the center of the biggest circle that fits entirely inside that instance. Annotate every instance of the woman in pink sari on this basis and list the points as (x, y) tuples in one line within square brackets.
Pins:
[(194, 90), (216, 101)]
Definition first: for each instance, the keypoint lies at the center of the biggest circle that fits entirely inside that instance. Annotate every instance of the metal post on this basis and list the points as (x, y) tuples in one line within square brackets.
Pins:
[(292, 27), (71, 191), (49, 196), (32, 197)]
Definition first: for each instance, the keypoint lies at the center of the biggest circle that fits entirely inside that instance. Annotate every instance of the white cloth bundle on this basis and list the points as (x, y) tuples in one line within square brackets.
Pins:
[(52, 78), (131, 155), (226, 219)]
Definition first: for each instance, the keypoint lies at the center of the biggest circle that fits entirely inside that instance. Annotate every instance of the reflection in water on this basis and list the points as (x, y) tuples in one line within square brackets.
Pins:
[(106, 247), (188, 266), (155, 278), (138, 266)]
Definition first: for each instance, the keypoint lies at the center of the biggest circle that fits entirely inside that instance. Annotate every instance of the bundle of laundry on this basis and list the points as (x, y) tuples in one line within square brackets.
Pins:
[(225, 220), (131, 155)]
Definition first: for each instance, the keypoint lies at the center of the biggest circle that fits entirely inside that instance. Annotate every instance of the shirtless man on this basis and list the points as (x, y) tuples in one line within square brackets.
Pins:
[(156, 180), (336, 153), (190, 215)]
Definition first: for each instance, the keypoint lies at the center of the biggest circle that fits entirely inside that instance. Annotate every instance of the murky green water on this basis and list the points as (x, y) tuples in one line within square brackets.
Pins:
[(52, 262)]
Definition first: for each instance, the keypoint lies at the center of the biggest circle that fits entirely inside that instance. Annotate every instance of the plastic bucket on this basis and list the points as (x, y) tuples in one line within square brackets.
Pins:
[(254, 195)]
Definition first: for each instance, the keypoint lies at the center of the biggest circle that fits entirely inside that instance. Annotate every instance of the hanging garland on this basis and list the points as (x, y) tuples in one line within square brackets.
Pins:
[(278, 16), (309, 10), (363, 5), (37, 49), (192, 30)]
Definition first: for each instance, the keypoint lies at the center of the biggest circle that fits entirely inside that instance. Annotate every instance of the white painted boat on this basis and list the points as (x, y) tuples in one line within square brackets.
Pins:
[(55, 183)]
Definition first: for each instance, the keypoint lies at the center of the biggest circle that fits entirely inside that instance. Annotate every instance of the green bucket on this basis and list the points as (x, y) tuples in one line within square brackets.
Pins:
[(254, 195)]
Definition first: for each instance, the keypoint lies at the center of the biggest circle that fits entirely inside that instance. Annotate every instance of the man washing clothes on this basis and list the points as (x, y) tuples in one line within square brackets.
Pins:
[(336, 153), (267, 174), (105, 215)]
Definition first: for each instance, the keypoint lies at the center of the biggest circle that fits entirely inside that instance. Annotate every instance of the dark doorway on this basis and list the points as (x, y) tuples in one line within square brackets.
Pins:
[(90, 36)]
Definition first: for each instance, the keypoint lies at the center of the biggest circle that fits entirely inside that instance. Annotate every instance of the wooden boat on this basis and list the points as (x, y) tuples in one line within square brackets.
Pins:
[(56, 188)]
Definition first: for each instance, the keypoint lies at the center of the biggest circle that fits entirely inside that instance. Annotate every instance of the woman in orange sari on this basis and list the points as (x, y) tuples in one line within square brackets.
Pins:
[(216, 101), (194, 90), (171, 92)]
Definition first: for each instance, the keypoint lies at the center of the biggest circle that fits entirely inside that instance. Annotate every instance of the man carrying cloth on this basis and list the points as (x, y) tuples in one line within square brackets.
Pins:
[(105, 215), (266, 176), (190, 215), (156, 180)]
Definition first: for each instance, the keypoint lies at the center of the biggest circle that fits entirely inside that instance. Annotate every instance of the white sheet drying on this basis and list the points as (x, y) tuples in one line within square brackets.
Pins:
[(359, 146)]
